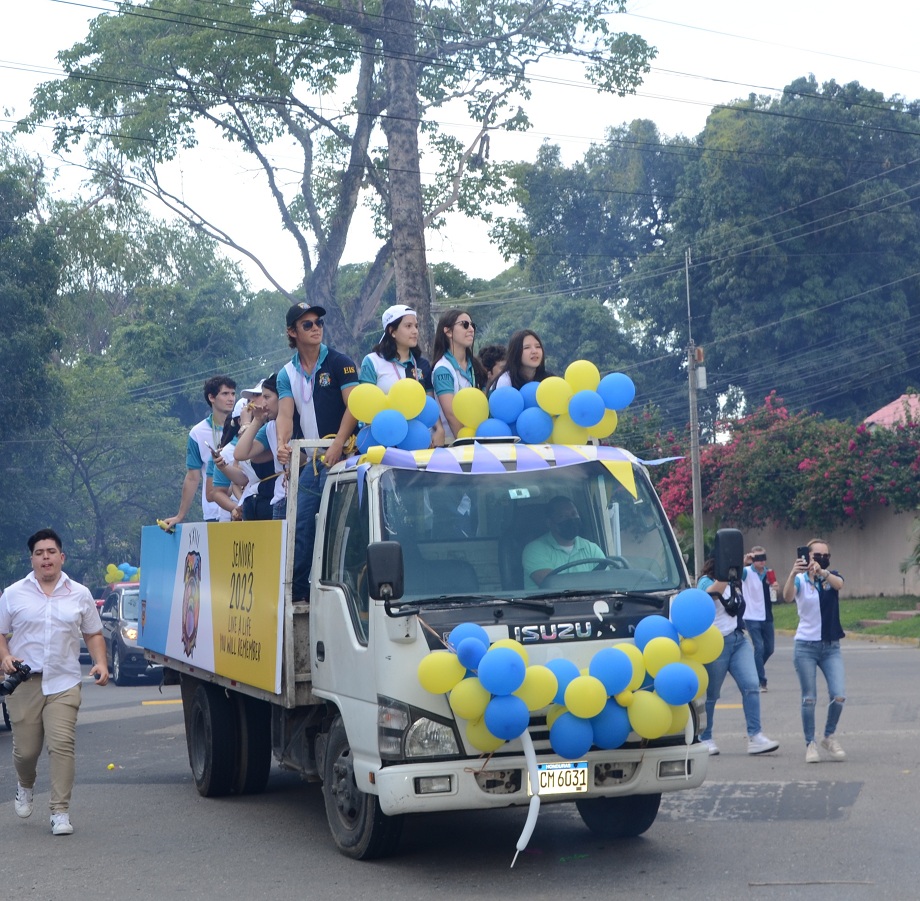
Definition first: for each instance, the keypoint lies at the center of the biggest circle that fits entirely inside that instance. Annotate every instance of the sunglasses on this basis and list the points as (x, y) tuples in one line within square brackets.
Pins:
[(759, 558), (307, 324), (466, 323)]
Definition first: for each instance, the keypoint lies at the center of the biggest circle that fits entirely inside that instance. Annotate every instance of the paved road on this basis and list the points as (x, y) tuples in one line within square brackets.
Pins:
[(769, 828)]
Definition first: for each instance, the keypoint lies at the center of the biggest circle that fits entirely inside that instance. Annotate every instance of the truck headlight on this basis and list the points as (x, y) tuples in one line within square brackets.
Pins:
[(405, 732)]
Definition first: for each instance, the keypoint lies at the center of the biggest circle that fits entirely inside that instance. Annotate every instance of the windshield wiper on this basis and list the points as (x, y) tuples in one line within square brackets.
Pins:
[(644, 597)]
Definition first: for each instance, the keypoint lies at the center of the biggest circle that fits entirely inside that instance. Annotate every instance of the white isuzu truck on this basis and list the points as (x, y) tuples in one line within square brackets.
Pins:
[(408, 547)]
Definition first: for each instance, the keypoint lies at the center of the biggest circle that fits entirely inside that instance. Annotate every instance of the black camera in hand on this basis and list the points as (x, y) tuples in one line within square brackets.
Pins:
[(12, 681)]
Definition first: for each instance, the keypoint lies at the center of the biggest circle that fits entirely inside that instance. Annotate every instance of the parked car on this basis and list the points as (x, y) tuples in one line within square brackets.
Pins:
[(120, 613)]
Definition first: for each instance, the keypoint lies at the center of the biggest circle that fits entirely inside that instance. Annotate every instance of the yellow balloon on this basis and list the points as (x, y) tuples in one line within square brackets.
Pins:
[(708, 645), (624, 698), (440, 671), (407, 396), (607, 426), (582, 375), (469, 699), (467, 432), (481, 738), (585, 696), (701, 673), (554, 713), (688, 646), (659, 652), (471, 407), (679, 717), (635, 655), (649, 715), (565, 431), (366, 401), (553, 395), (538, 688), (515, 646)]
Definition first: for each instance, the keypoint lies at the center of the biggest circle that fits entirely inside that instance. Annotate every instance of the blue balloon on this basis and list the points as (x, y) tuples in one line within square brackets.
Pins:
[(617, 390), (493, 428), (677, 684), (611, 726), (564, 670), (654, 626), (529, 394), (507, 717), (506, 404), (125, 567), (417, 438), (502, 671), (389, 428), (470, 652), (534, 425), (363, 439), (586, 408), (430, 413), (467, 630), (571, 737), (692, 612), (613, 668)]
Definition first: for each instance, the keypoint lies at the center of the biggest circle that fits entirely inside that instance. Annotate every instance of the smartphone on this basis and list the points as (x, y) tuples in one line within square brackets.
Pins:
[(804, 553)]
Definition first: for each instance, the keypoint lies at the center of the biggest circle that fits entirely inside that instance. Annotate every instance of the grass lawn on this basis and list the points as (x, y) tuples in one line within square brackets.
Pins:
[(852, 610)]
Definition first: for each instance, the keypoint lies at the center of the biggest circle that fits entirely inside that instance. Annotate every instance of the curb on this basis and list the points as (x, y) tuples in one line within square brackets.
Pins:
[(862, 636)]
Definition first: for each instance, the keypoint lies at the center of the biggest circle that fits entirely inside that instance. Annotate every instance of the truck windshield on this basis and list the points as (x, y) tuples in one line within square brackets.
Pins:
[(501, 535)]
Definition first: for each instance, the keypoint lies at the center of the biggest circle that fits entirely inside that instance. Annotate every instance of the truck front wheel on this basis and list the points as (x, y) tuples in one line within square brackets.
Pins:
[(619, 817), (212, 741), (359, 828)]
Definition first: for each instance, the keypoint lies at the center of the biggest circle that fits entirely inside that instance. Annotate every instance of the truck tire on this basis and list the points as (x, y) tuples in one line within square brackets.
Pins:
[(254, 746), (212, 741), (619, 817), (359, 828)]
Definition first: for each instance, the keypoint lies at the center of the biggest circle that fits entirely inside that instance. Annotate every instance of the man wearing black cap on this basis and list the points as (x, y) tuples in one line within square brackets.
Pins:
[(313, 393)]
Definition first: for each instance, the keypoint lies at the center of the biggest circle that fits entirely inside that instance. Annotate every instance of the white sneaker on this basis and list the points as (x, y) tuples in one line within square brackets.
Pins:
[(713, 747), (760, 744), (832, 746), (811, 753), (60, 824), (23, 801)]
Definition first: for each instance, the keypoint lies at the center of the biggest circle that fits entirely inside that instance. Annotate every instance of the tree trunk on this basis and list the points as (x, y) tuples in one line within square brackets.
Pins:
[(400, 124)]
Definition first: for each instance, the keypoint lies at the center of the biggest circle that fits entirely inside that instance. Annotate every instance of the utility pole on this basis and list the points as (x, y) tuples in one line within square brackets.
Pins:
[(694, 363)]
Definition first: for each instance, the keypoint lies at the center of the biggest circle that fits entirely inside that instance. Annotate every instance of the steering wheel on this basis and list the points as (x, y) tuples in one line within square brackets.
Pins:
[(602, 563)]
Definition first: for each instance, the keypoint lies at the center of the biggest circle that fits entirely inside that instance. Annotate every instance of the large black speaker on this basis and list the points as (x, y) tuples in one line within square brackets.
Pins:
[(729, 554)]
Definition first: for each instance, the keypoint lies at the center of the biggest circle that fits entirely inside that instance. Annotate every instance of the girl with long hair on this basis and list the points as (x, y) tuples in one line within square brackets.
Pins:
[(524, 361), (454, 365)]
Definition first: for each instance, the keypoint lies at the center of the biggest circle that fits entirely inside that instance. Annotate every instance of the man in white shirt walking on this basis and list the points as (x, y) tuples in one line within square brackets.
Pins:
[(46, 612)]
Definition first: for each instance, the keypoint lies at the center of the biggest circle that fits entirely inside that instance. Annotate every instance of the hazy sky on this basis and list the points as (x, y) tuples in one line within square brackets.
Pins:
[(709, 53)]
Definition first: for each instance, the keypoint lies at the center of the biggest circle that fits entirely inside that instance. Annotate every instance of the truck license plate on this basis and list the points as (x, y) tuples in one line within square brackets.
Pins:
[(562, 778)]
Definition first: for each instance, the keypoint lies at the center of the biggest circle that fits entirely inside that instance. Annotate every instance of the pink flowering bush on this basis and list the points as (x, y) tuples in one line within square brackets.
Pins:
[(797, 471)]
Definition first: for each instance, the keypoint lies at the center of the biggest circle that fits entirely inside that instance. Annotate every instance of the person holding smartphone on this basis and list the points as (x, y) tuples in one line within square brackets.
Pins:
[(816, 591)]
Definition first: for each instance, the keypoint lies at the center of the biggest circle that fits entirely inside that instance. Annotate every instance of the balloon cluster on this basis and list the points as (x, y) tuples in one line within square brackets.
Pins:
[(566, 410), (401, 418), (641, 686), (124, 572)]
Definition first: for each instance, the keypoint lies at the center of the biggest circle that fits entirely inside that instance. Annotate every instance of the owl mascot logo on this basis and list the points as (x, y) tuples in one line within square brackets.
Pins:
[(191, 601)]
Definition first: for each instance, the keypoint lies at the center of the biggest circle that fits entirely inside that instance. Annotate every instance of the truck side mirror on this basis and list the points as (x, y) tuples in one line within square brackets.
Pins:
[(729, 554), (385, 570)]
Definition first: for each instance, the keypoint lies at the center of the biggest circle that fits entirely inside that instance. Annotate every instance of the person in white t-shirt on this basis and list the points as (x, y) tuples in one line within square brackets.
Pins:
[(524, 361)]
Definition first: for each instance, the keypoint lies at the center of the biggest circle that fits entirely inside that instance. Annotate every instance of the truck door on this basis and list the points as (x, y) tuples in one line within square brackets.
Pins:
[(339, 622)]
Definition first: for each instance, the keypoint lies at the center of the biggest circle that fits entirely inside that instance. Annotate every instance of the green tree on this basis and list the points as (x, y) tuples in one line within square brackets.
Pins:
[(803, 217), (144, 81)]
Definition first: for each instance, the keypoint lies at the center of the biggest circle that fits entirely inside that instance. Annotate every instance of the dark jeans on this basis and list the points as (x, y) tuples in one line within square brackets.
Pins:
[(761, 632), (309, 494)]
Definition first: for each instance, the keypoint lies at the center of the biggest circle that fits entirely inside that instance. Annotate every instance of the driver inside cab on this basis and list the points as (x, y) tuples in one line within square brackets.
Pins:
[(560, 545)]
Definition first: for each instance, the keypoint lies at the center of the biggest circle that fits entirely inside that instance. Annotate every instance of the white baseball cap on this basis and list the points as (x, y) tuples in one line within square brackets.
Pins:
[(250, 393), (391, 314), (238, 409)]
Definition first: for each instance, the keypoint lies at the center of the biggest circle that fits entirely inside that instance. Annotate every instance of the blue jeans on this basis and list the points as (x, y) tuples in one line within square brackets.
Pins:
[(309, 494), (737, 658), (808, 657), (761, 632)]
